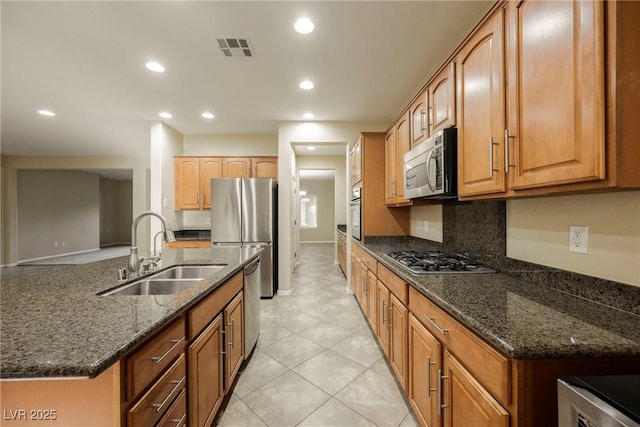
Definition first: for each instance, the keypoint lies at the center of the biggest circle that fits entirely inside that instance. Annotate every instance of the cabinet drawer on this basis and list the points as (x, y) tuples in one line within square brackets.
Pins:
[(150, 361), (396, 285), (369, 262), (356, 250), (176, 416), (489, 367), (153, 404), (200, 316)]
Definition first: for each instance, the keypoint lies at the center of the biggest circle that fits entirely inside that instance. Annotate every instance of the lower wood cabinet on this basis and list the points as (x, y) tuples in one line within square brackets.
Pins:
[(425, 361), (234, 352), (206, 374)]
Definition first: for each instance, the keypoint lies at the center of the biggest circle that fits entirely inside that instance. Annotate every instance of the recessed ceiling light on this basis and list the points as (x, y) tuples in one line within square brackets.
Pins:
[(154, 66), (208, 115), (311, 148), (306, 85), (165, 115), (47, 113), (308, 115), (304, 25)]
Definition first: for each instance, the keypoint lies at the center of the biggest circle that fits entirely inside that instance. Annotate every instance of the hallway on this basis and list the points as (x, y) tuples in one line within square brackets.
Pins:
[(316, 362)]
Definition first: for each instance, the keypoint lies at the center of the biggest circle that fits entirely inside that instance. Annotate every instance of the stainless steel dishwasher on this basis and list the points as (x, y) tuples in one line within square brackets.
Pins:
[(252, 281)]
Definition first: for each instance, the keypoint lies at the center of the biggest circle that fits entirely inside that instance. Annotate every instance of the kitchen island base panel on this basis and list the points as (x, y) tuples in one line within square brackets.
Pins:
[(63, 402)]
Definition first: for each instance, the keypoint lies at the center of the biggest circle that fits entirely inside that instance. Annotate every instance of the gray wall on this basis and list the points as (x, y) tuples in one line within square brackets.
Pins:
[(116, 210), (58, 212), (325, 232)]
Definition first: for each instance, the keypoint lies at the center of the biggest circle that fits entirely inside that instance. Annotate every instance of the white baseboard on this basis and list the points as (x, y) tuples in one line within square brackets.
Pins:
[(284, 293), (349, 290), (13, 264), (22, 261), (318, 241)]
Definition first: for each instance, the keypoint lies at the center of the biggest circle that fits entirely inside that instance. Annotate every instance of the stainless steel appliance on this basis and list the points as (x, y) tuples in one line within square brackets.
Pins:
[(430, 167), (356, 214), (252, 281), (434, 262), (599, 401), (244, 213)]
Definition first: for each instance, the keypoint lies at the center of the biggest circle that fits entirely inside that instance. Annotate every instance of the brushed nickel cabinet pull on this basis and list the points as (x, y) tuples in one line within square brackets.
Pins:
[(441, 405), (491, 144), (507, 137), (176, 343), (389, 316), (158, 406), (231, 334), (179, 421), (422, 115), (223, 337), (384, 316), (429, 117), (429, 365), (432, 320)]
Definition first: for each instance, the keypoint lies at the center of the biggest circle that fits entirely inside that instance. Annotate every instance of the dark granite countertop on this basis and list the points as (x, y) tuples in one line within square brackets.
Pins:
[(342, 228), (525, 320), (193, 234), (54, 325)]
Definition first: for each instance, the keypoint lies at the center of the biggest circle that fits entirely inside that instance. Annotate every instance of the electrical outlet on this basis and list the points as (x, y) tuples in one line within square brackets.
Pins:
[(419, 225), (425, 225), (55, 244), (578, 239), (64, 244)]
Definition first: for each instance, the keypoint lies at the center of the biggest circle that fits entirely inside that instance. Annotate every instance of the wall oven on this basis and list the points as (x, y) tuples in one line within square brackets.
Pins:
[(430, 167), (356, 215)]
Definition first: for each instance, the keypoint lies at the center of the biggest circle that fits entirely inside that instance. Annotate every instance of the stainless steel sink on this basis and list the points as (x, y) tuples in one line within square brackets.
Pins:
[(155, 287), (188, 272), (168, 282)]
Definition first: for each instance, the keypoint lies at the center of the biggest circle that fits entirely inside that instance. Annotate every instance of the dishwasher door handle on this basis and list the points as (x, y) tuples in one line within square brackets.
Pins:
[(251, 268)]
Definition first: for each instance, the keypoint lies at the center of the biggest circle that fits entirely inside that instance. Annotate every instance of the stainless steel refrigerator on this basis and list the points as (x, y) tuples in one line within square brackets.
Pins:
[(244, 213)]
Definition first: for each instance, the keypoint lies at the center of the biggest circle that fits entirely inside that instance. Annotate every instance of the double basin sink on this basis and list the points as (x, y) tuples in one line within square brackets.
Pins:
[(168, 282)]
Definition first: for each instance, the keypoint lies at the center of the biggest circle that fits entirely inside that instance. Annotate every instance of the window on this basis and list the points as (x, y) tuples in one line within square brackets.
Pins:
[(308, 210)]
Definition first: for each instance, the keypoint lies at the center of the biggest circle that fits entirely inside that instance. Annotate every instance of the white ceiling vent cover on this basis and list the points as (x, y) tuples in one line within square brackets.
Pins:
[(235, 47)]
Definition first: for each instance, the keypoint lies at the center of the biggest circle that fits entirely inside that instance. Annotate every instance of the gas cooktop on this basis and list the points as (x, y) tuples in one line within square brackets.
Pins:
[(434, 262)]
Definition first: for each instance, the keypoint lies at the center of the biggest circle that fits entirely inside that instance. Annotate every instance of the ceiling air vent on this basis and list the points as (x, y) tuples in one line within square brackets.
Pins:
[(235, 47)]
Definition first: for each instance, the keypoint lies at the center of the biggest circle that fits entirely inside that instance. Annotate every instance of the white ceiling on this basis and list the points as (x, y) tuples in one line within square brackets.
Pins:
[(85, 61), (317, 174)]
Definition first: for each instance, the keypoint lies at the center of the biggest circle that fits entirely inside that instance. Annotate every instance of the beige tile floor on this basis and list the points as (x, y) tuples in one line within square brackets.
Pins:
[(316, 362)]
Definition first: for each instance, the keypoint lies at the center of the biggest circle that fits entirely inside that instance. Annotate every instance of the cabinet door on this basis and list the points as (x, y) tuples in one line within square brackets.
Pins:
[(356, 279), (383, 321), (206, 373), (372, 296), (187, 183), (265, 167), (465, 402), (424, 364), (210, 167), (556, 92), (237, 167), (403, 144), (397, 324), (233, 316), (419, 120), (442, 100), (390, 166), (481, 114)]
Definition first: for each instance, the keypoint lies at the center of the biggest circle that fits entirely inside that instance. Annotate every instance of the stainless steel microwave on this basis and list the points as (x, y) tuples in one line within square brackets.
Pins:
[(430, 168)]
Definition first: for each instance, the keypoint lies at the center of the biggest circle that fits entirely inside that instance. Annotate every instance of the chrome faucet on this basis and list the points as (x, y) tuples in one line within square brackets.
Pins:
[(134, 260)]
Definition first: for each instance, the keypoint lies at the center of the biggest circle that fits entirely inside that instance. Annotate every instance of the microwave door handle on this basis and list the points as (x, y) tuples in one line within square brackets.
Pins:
[(431, 156)]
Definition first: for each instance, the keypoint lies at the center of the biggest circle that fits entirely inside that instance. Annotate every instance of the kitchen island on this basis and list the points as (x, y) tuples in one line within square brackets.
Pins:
[(56, 326)]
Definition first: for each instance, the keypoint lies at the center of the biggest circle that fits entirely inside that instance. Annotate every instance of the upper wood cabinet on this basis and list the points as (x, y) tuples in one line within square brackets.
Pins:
[(193, 181), (442, 100), (397, 142), (265, 167), (481, 117), (555, 93), (355, 160), (237, 167), (419, 120), (544, 130), (193, 176)]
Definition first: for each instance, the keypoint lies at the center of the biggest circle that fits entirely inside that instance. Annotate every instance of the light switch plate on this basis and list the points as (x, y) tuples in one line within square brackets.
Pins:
[(578, 239)]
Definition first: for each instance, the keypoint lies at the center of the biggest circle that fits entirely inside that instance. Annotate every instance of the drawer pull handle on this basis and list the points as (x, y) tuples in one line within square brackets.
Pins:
[(441, 405), (158, 406), (389, 315), (432, 320), (384, 316), (176, 343), (429, 365), (180, 421)]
